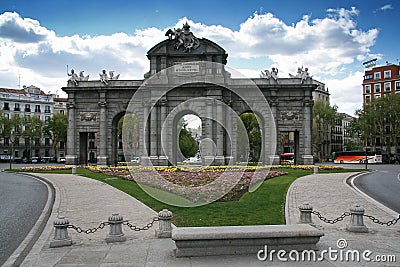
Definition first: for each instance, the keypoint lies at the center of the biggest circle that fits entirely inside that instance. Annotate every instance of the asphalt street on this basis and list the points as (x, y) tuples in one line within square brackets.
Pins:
[(382, 185), (22, 200)]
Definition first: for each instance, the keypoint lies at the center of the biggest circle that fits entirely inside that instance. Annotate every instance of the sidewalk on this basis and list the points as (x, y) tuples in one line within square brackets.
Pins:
[(87, 202)]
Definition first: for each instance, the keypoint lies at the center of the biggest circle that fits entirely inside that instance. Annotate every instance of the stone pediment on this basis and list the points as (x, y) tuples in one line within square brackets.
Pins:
[(205, 47)]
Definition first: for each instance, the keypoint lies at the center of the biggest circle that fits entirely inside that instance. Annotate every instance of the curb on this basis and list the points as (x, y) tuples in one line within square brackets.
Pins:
[(350, 182), (26, 245)]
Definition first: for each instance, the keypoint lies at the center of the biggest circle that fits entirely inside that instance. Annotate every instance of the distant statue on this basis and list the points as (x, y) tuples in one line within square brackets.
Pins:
[(74, 77), (302, 74), (82, 77), (112, 77), (104, 77), (270, 74), (184, 38)]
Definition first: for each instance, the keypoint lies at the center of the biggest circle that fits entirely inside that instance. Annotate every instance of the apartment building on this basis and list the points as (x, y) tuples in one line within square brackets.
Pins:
[(30, 101)]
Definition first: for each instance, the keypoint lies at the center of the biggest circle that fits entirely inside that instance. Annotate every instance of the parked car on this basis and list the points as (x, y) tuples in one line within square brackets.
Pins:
[(35, 160)]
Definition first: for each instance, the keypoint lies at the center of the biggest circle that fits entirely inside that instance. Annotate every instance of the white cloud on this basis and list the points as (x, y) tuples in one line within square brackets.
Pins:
[(327, 46), (386, 7)]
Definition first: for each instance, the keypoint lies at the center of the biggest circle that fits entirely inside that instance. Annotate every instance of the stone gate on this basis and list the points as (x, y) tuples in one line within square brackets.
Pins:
[(187, 75)]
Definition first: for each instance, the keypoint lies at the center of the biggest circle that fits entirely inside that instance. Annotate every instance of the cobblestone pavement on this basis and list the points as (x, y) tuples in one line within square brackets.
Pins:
[(86, 203)]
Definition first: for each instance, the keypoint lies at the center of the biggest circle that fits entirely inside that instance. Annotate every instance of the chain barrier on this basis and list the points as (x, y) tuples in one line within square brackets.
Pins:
[(377, 221), (324, 219), (104, 224), (90, 230), (144, 228)]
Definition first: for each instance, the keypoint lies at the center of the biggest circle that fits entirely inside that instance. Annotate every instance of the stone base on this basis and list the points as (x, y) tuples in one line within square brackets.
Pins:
[(219, 160), (273, 160), (163, 234), (357, 228), (308, 159), (102, 161), (232, 240), (61, 243), (207, 160), (71, 160), (229, 160), (115, 238), (145, 161)]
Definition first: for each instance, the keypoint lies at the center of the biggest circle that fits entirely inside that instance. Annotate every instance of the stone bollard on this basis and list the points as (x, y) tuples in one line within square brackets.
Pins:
[(357, 220), (61, 237), (115, 234), (305, 214), (73, 169), (164, 224), (315, 169)]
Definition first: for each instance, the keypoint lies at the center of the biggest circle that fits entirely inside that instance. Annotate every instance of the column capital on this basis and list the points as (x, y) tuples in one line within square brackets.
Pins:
[(70, 105), (102, 104)]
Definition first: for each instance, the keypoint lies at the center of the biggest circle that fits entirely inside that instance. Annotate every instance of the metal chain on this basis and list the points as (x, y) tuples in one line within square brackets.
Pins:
[(144, 228), (338, 219), (90, 230), (377, 221)]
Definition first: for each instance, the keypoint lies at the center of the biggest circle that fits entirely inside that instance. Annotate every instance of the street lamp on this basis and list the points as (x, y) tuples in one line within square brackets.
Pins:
[(11, 149)]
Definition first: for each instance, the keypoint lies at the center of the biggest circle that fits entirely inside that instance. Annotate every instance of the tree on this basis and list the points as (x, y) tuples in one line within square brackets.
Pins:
[(251, 124), (187, 144), (57, 130), (34, 127), (11, 128), (128, 130), (324, 117), (378, 123)]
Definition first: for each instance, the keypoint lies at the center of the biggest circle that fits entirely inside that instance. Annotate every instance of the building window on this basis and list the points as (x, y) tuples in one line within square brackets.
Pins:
[(6, 115), (37, 108), (6, 106), (46, 109), (377, 88), (387, 74), (62, 145), (398, 85), (377, 75), (6, 141), (368, 89), (47, 141), (16, 107), (367, 98), (46, 119), (368, 77), (62, 111), (27, 108), (387, 87), (377, 96)]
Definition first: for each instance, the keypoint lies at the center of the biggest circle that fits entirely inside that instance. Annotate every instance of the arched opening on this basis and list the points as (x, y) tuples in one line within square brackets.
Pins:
[(126, 138), (187, 139), (250, 138)]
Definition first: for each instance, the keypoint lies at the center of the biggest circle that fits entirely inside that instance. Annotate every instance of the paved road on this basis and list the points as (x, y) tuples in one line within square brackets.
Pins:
[(382, 185), (22, 200)]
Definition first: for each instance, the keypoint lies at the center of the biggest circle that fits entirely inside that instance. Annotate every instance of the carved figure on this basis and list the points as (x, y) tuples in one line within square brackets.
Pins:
[(302, 74), (88, 116), (267, 74), (82, 77), (104, 77), (74, 77), (290, 115), (184, 38), (112, 77)]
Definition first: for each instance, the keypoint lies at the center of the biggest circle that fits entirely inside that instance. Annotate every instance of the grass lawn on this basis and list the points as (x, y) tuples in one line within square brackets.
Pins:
[(264, 206)]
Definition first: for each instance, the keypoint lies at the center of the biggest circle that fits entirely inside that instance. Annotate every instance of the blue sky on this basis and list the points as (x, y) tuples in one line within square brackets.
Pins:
[(332, 38)]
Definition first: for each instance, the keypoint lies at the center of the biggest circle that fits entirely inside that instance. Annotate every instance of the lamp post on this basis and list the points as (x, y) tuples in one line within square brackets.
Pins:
[(11, 148), (366, 158)]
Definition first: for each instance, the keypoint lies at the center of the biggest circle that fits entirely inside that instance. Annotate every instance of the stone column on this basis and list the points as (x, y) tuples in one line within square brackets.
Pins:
[(207, 152), (153, 135), (144, 136), (307, 131), (230, 140), (102, 158), (219, 139), (163, 148), (71, 157)]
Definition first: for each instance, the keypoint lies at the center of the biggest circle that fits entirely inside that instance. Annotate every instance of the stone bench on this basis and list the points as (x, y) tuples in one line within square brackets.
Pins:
[(231, 240)]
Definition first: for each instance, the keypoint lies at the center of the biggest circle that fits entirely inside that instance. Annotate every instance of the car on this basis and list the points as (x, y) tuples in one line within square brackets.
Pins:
[(62, 160), (35, 160)]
